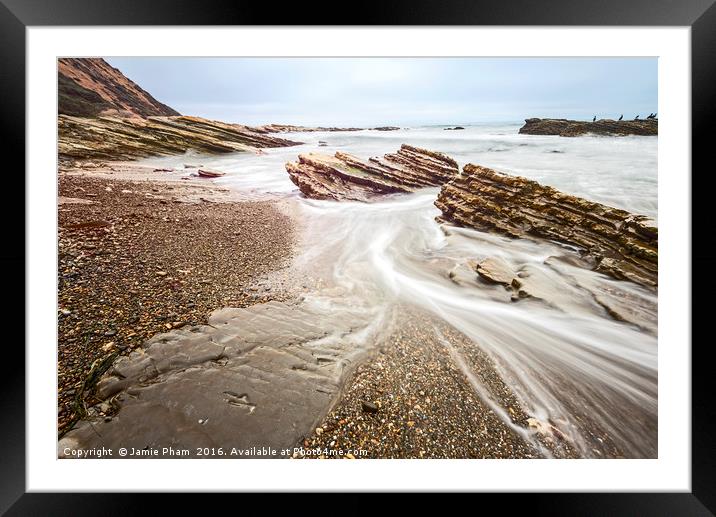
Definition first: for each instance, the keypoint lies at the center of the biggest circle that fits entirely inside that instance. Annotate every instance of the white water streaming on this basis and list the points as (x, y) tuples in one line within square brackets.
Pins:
[(572, 366)]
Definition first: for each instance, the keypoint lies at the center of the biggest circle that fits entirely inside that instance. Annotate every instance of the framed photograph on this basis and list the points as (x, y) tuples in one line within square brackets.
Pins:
[(426, 243)]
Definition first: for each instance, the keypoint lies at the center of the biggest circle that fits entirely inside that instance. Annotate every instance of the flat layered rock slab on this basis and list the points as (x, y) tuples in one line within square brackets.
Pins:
[(616, 242), (347, 177), (496, 270), (259, 377), (118, 138)]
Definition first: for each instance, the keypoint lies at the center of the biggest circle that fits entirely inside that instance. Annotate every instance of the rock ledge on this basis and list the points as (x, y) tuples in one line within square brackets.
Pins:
[(346, 177), (616, 242), (607, 127)]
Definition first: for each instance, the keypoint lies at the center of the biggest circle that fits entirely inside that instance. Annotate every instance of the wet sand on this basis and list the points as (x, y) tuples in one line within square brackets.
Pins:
[(411, 400), (141, 252), (192, 317), (415, 398)]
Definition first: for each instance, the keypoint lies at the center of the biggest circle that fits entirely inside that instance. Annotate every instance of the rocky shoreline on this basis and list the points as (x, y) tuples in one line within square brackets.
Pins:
[(132, 291), (611, 240), (605, 127), (184, 319), (616, 242)]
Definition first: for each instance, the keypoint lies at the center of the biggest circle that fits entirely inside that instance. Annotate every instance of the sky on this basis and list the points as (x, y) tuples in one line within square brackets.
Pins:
[(397, 91)]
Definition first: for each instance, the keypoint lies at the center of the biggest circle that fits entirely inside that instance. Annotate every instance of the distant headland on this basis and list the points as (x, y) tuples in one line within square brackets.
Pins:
[(609, 127)]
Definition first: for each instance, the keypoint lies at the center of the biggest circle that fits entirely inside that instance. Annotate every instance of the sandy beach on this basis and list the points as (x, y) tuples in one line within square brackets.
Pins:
[(140, 253)]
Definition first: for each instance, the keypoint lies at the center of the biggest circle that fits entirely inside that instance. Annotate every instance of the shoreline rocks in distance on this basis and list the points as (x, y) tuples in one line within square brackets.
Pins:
[(618, 243), (456, 128), (129, 138), (289, 128), (346, 177), (606, 127)]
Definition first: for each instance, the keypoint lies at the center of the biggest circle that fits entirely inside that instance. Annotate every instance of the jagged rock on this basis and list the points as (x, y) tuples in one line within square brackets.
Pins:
[(386, 128), (88, 87), (564, 127), (128, 138), (346, 177), (615, 241), (496, 271), (456, 128)]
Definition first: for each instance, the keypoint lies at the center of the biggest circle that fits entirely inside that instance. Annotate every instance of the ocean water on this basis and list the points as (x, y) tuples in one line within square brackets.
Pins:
[(620, 172), (588, 380)]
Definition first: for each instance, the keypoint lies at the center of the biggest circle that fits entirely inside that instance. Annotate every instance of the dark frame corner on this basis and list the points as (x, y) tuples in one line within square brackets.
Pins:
[(700, 15)]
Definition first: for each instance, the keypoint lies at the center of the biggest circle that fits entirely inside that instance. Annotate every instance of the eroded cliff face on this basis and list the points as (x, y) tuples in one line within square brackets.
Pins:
[(607, 127), (615, 241), (89, 87), (346, 177), (114, 138)]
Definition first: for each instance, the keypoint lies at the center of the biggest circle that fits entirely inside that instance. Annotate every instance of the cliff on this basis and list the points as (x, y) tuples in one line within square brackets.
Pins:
[(607, 127), (90, 87), (346, 177), (615, 241), (114, 138)]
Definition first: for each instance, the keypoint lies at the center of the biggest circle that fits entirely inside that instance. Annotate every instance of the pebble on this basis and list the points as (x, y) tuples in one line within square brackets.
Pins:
[(369, 407)]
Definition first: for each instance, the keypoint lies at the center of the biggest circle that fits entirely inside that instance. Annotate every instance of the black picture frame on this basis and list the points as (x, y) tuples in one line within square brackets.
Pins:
[(700, 15)]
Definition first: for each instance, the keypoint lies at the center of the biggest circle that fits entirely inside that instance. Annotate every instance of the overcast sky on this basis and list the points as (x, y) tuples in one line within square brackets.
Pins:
[(400, 91)]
